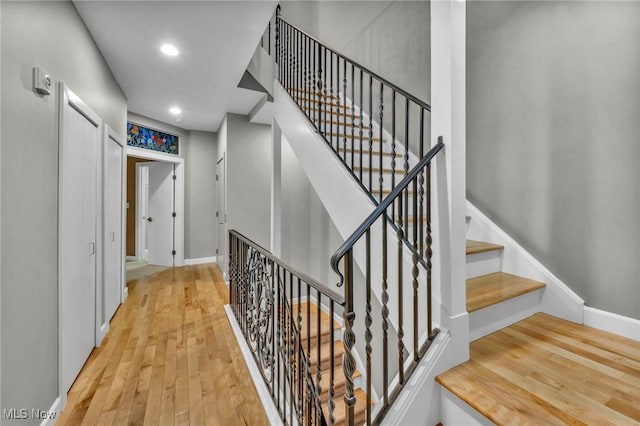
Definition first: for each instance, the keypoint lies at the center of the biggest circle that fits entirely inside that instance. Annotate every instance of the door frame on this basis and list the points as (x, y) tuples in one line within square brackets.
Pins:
[(67, 97), (102, 323), (179, 194)]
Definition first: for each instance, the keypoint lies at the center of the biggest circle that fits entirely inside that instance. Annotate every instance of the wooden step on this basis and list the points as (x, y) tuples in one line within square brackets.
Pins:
[(325, 356), (491, 289), (323, 104), (356, 126), (310, 92), (330, 113), (355, 137), (325, 324), (388, 191), (339, 412), (474, 247), (339, 381), (548, 371), (365, 152), (377, 169)]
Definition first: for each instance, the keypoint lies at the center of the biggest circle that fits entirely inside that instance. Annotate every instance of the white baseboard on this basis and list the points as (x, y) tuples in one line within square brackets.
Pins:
[(53, 413), (104, 329), (201, 260), (613, 323), (263, 393), (131, 258), (125, 293)]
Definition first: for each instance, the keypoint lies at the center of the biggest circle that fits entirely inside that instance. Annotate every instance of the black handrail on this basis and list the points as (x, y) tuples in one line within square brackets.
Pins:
[(381, 79), (382, 207)]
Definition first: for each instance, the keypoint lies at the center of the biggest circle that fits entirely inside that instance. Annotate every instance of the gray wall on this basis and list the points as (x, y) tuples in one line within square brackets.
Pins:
[(50, 35), (552, 137), (201, 233), (248, 169), (392, 38)]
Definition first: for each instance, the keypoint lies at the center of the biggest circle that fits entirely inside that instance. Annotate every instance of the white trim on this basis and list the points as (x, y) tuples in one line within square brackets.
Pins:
[(558, 299), (54, 413), (418, 401), (201, 260), (131, 257), (180, 192), (263, 393), (125, 293), (454, 411), (613, 323)]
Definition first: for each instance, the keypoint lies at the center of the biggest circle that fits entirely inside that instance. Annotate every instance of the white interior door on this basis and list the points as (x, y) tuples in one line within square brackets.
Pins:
[(160, 221), (221, 214), (142, 211), (113, 200), (77, 236)]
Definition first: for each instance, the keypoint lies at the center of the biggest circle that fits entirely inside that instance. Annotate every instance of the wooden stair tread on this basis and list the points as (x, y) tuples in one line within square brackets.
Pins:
[(323, 103), (474, 247), (340, 113), (356, 136), (311, 92), (349, 124), (325, 355), (377, 169), (388, 191), (491, 289), (363, 151), (339, 412), (325, 321), (545, 370), (339, 381)]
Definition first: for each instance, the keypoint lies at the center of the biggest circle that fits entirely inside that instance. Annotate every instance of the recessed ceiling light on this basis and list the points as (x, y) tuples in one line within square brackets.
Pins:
[(175, 110), (169, 49)]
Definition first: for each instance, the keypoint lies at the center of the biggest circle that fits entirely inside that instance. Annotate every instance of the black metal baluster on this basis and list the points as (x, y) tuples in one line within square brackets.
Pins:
[(319, 88), (400, 237), (415, 270), (326, 95), (344, 108), (421, 183), (381, 153), (349, 339), (406, 162), (301, 363), (361, 106), (368, 321), (278, 62), (293, 365), (393, 148), (331, 111), (332, 392), (318, 355), (385, 314), (279, 343), (370, 133), (273, 337), (353, 113)]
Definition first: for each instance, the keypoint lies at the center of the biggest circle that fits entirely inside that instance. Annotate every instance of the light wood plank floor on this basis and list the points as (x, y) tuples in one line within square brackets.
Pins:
[(170, 358), (546, 371)]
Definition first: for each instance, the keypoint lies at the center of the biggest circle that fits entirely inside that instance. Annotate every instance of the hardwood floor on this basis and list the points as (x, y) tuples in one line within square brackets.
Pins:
[(545, 370), (170, 358)]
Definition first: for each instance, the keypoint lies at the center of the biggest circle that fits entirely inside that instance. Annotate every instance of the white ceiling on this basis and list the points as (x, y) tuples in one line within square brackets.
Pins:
[(216, 40)]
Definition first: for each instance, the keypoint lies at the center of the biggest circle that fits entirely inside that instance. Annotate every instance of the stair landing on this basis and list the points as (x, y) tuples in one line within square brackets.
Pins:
[(544, 370)]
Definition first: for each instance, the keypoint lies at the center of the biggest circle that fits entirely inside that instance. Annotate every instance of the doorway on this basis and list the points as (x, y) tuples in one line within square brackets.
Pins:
[(155, 209)]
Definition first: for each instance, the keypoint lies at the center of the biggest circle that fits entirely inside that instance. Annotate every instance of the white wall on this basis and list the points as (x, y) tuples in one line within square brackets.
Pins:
[(50, 35)]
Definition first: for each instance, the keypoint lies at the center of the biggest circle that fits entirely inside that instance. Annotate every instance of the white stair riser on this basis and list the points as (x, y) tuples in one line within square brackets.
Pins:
[(454, 411), (498, 316), (484, 263)]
